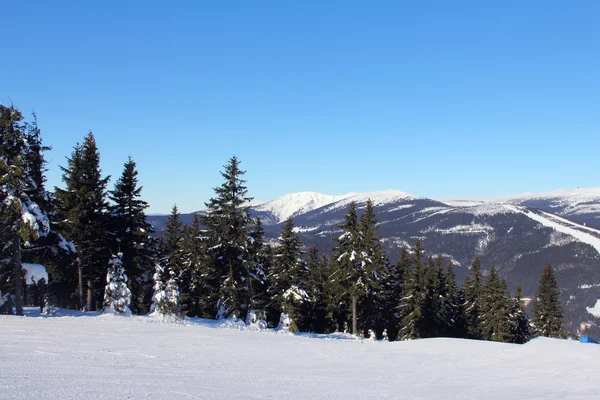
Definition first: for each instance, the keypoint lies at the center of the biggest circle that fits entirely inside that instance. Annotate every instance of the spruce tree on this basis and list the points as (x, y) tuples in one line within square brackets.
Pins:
[(453, 302), (165, 300), (472, 293), (192, 276), (548, 317), (519, 330), (316, 285), (495, 307), (23, 220), (287, 285), (228, 223), (259, 267), (131, 234), (392, 283), (82, 207), (374, 262), (117, 296), (413, 304)]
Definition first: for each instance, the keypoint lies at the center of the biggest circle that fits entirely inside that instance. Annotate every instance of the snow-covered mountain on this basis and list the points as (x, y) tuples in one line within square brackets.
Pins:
[(580, 205), (295, 204), (518, 234)]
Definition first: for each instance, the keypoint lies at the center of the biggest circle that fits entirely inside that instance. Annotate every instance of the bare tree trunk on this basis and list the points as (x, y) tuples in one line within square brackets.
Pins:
[(89, 296), (18, 276), (80, 273), (354, 329)]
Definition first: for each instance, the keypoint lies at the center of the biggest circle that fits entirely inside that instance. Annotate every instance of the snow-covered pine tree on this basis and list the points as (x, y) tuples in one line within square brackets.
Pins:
[(117, 296), (23, 220), (495, 307), (359, 261), (131, 235), (287, 286), (259, 267), (48, 310), (228, 222), (165, 301), (374, 262), (548, 317), (472, 293), (519, 329), (414, 297), (82, 209)]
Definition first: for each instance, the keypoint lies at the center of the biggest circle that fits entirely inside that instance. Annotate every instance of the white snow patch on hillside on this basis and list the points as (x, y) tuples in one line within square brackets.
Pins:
[(293, 204), (595, 311), (466, 229), (547, 220), (68, 358), (378, 199)]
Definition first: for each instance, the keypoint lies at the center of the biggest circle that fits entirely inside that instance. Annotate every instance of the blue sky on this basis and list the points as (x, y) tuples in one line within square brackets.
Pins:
[(437, 98)]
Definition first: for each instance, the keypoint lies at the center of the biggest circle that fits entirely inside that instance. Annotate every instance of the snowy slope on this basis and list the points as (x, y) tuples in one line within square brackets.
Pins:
[(291, 205), (563, 226), (112, 357)]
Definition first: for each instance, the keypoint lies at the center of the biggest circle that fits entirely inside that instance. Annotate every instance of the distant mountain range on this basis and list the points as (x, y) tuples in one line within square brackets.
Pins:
[(518, 234)]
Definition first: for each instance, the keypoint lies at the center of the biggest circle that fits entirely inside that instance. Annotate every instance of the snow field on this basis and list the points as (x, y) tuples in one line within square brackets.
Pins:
[(99, 357)]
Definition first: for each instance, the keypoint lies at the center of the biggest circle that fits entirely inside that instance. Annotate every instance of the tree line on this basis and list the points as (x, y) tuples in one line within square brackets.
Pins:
[(101, 253)]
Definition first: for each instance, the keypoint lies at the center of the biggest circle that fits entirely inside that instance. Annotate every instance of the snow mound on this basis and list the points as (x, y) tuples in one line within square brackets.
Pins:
[(34, 273)]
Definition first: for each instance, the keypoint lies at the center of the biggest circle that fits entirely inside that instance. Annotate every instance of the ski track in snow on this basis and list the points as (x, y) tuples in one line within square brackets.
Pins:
[(546, 220), (111, 357)]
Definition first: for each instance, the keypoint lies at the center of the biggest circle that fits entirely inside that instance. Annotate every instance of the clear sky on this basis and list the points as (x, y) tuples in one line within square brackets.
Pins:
[(442, 99)]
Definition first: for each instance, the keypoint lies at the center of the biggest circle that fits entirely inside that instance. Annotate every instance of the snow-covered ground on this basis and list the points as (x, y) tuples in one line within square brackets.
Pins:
[(108, 357)]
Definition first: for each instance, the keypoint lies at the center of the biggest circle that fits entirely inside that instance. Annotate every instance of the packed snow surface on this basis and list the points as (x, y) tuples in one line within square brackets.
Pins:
[(112, 357)]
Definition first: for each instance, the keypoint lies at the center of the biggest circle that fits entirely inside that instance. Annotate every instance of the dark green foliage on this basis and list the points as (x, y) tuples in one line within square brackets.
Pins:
[(519, 329), (547, 312), (453, 306), (259, 266), (287, 275), (228, 225), (392, 289), (495, 308), (82, 207), (131, 235), (192, 276), (472, 293), (315, 309)]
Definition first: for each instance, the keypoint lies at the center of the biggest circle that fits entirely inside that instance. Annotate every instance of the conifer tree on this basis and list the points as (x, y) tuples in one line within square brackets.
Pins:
[(413, 304), (472, 293), (391, 293), (228, 223), (192, 277), (82, 207), (131, 234), (453, 302), (23, 220), (287, 286), (317, 275), (117, 296), (548, 317), (519, 330), (165, 300), (373, 265), (259, 267), (495, 307)]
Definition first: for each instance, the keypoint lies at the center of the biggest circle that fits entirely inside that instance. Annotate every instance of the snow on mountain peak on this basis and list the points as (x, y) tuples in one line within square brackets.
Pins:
[(294, 204)]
